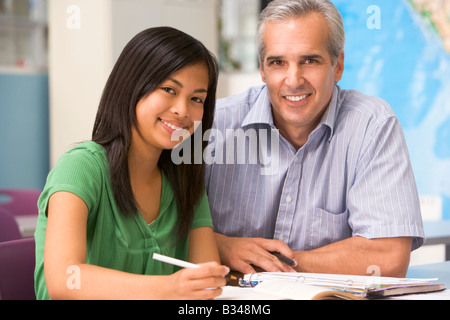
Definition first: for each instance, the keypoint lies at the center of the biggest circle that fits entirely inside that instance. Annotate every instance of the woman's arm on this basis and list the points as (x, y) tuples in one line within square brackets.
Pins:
[(65, 259), (202, 246)]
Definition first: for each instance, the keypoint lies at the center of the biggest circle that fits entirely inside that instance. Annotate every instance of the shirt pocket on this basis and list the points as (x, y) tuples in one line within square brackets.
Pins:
[(328, 227)]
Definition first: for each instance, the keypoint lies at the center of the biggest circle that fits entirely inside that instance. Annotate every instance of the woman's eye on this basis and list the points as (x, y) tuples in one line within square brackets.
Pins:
[(198, 100), (168, 90)]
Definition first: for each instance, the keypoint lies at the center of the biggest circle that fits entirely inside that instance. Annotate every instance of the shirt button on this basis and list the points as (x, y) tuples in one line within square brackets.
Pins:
[(288, 199)]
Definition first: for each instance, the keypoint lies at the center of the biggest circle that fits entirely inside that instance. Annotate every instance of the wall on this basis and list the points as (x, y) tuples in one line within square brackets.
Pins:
[(235, 82), (24, 160), (79, 55)]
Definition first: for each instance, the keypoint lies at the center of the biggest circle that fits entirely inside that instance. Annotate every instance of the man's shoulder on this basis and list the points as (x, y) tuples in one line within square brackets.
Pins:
[(232, 111), (354, 101), (245, 98)]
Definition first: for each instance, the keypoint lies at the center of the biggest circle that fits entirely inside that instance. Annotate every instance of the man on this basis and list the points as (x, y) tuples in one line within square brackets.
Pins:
[(340, 195)]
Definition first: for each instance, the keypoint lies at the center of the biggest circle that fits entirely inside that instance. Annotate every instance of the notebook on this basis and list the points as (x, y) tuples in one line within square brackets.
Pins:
[(314, 286), (284, 290)]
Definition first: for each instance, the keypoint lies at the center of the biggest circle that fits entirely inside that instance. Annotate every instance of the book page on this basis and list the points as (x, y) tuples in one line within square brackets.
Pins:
[(240, 293), (282, 290), (357, 284), (299, 291)]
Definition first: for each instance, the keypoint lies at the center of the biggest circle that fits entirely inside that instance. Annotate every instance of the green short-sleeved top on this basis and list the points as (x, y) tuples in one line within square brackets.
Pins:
[(113, 240)]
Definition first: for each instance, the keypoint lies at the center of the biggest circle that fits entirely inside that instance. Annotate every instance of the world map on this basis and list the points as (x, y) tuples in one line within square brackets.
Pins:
[(399, 50)]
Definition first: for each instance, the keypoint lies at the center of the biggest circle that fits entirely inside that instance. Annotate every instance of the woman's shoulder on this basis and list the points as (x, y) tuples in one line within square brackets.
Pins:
[(83, 170), (85, 161), (87, 147), (87, 152)]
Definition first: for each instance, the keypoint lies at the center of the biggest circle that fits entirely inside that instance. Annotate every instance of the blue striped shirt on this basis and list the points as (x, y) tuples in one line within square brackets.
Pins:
[(352, 178)]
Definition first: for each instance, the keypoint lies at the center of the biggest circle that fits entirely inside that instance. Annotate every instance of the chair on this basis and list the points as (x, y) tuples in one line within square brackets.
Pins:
[(17, 262), (9, 229), (20, 202)]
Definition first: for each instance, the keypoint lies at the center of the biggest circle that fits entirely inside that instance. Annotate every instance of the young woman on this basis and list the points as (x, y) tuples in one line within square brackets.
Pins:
[(112, 202)]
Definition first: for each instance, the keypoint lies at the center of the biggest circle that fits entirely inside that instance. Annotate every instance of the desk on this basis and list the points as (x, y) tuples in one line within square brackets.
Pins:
[(435, 270), (438, 232)]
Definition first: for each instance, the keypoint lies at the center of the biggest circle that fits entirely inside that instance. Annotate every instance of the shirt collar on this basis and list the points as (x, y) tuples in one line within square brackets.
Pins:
[(330, 114), (261, 113)]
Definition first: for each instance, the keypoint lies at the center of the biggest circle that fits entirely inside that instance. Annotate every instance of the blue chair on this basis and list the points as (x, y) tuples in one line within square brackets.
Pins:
[(17, 263), (9, 229)]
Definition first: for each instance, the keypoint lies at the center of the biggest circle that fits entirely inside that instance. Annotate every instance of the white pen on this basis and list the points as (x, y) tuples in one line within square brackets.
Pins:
[(181, 263), (176, 262)]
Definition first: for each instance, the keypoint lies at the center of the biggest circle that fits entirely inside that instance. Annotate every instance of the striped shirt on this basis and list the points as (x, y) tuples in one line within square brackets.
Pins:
[(352, 178)]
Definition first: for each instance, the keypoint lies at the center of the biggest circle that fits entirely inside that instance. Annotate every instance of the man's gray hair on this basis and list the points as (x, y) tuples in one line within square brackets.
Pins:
[(278, 10)]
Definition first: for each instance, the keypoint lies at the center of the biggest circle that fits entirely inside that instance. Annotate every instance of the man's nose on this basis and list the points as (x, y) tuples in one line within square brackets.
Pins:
[(295, 76)]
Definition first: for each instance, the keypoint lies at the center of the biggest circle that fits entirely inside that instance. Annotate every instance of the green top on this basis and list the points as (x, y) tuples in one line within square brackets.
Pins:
[(113, 240)]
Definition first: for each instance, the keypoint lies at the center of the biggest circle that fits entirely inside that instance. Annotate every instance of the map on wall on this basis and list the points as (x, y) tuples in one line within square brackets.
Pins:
[(400, 51)]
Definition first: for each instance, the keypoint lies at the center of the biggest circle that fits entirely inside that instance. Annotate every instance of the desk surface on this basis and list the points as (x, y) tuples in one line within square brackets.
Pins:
[(437, 232), (435, 270)]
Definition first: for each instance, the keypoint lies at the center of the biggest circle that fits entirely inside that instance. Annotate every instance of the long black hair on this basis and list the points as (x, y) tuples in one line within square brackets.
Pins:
[(147, 60)]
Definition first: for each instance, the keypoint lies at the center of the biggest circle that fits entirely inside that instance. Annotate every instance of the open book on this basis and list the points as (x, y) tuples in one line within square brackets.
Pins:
[(312, 286), (284, 290)]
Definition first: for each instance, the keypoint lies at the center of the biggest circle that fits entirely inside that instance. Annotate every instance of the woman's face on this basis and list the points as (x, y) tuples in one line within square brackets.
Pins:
[(172, 110)]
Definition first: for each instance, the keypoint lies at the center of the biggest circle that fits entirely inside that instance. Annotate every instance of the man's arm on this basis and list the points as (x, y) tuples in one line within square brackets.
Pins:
[(387, 257)]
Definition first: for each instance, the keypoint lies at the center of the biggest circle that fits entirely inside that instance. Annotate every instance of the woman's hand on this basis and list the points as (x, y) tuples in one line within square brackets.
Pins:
[(202, 283)]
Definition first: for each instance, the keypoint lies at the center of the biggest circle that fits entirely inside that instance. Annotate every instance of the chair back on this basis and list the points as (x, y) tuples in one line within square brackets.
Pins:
[(20, 202), (17, 263), (9, 229)]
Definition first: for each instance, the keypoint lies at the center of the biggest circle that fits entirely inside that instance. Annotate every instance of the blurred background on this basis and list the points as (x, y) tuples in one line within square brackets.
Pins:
[(55, 57)]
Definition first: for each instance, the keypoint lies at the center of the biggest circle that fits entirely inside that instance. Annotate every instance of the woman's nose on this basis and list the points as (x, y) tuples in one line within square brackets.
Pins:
[(181, 108)]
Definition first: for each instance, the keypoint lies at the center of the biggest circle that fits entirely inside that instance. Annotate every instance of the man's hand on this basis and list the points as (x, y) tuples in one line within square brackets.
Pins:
[(241, 253)]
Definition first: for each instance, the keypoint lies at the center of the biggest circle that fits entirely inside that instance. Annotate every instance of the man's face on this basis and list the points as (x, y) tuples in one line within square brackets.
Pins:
[(299, 73)]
